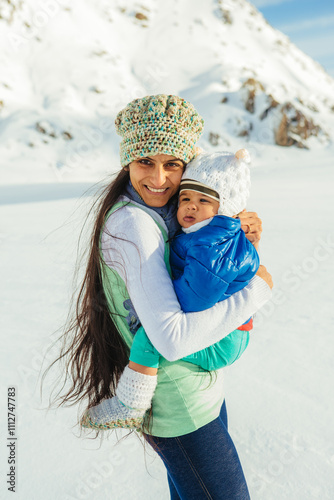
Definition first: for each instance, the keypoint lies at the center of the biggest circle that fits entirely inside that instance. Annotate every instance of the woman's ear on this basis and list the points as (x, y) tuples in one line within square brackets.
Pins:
[(126, 168)]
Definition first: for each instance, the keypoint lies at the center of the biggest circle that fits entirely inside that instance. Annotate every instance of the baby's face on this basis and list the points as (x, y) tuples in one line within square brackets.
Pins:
[(195, 207)]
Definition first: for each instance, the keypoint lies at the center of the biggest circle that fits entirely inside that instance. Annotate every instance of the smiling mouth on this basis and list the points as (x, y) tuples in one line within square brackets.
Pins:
[(156, 191)]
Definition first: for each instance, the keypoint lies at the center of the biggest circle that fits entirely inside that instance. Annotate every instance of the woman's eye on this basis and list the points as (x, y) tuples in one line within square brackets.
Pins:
[(144, 162), (174, 165)]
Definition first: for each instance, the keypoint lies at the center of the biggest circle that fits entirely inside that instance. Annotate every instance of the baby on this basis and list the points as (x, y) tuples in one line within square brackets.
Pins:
[(210, 260)]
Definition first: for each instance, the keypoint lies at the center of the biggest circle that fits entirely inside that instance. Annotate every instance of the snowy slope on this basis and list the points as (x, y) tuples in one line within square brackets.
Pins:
[(279, 394), (68, 67)]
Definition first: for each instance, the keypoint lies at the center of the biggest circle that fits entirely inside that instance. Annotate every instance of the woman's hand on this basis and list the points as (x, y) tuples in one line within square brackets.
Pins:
[(263, 273), (252, 225)]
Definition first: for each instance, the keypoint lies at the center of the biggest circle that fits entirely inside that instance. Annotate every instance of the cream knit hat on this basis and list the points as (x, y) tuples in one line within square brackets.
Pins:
[(158, 124), (223, 176)]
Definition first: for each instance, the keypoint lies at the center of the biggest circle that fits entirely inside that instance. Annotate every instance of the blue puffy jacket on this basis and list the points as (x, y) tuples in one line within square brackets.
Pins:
[(212, 263)]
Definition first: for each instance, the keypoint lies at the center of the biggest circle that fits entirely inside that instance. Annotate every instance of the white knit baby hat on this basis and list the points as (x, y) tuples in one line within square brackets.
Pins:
[(226, 175)]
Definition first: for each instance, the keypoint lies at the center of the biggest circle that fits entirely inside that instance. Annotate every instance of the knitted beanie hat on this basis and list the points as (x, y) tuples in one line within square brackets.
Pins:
[(225, 177), (158, 124)]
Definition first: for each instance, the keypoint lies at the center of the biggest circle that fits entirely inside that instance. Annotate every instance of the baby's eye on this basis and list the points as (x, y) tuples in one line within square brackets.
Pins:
[(184, 199), (203, 200)]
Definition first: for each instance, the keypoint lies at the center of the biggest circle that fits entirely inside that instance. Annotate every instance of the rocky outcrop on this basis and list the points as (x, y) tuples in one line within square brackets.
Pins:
[(252, 87), (294, 127), (272, 103), (141, 16), (214, 139), (223, 13), (245, 132), (290, 123)]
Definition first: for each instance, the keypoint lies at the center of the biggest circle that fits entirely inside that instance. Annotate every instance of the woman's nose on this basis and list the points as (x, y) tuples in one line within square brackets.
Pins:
[(158, 176)]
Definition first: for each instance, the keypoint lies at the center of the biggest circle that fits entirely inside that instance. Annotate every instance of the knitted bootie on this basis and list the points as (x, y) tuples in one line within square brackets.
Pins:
[(127, 409)]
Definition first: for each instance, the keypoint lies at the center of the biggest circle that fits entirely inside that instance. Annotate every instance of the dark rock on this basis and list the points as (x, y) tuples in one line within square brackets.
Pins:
[(252, 87), (214, 139), (141, 16), (294, 127)]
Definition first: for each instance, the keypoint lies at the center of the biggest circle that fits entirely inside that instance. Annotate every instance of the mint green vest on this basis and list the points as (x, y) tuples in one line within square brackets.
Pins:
[(187, 397)]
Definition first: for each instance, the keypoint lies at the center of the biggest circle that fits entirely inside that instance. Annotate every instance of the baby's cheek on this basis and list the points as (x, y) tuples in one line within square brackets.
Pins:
[(179, 215)]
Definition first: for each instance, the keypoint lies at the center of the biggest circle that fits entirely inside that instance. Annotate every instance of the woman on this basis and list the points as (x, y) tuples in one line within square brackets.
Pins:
[(127, 284)]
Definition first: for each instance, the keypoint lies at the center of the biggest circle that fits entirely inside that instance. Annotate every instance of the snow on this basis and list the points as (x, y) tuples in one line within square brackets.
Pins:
[(278, 394), (68, 75)]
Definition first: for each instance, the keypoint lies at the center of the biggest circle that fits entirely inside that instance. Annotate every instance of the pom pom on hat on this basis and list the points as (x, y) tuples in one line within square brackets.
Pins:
[(199, 151), (158, 124), (243, 154), (225, 173)]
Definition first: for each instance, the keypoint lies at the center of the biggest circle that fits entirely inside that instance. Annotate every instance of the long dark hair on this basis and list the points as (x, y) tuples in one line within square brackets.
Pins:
[(92, 349)]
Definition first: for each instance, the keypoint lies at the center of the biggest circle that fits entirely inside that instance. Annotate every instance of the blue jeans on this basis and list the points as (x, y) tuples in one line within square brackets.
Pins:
[(203, 464)]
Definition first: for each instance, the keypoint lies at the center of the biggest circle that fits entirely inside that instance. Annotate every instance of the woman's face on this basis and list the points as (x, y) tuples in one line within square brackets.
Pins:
[(156, 178)]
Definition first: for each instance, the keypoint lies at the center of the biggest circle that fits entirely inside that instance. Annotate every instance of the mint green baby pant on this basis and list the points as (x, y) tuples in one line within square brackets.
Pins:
[(223, 353)]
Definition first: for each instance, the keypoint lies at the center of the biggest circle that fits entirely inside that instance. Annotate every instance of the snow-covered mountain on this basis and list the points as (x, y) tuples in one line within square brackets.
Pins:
[(67, 67)]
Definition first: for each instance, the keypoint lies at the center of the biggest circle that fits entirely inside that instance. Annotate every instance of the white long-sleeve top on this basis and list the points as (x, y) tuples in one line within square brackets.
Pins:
[(137, 254)]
